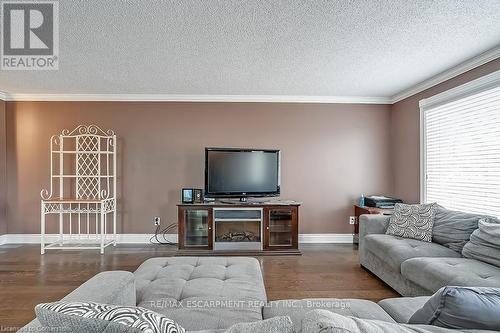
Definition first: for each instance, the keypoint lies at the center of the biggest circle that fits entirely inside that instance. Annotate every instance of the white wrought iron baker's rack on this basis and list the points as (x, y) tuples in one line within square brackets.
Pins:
[(82, 189)]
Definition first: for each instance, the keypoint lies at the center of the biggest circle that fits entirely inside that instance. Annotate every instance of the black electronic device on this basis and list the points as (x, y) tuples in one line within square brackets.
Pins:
[(242, 172), (192, 195), (381, 201)]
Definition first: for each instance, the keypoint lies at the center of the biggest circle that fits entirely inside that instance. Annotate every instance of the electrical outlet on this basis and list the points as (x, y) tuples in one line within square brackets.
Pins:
[(156, 220), (352, 219)]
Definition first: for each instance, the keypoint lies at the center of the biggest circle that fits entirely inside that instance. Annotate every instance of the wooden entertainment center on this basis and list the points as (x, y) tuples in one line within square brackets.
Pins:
[(239, 228)]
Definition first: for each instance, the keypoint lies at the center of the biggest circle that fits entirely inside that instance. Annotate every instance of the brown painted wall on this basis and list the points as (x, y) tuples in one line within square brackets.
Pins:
[(330, 154), (405, 126), (3, 171)]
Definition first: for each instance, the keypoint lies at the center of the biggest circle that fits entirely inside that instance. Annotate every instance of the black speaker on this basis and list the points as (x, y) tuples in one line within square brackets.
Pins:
[(198, 195)]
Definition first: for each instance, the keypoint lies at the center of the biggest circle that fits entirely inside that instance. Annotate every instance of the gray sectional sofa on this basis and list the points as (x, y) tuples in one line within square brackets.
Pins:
[(210, 294), (417, 268)]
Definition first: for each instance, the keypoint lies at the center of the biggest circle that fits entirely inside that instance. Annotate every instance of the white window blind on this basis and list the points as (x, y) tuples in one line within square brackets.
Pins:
[(461, 153)]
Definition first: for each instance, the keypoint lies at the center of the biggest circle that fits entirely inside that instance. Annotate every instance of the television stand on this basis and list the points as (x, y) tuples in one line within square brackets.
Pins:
[(220, 228)]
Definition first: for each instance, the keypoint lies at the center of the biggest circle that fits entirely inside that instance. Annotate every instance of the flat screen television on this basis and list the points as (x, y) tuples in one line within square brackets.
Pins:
[(239, 172)]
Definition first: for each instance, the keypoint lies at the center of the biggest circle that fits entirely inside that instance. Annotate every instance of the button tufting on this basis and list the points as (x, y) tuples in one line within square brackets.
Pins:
[(212, 280)]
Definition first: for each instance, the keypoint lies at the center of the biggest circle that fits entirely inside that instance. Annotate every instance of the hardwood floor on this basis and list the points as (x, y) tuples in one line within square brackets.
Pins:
[(28, 278)]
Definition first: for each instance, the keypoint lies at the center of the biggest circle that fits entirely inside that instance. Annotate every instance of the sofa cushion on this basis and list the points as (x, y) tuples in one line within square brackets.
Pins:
[(484, 244), (402, 308), (395, 250), (453, 228), (92, 317), (322, 321), (435, 273), (461, 308), (202, 293), (297, 309), (272, 325), (412, 221)]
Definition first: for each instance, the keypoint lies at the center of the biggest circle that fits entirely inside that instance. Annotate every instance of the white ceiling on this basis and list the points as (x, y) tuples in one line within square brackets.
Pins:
[(375, 48)]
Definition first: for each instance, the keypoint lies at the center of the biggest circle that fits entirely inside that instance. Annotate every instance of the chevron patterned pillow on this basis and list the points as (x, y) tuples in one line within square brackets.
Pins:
[(412, 221), (92, 317)]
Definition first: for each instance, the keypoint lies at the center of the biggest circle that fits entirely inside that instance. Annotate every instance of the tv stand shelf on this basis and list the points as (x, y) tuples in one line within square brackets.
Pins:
[(249, 228)]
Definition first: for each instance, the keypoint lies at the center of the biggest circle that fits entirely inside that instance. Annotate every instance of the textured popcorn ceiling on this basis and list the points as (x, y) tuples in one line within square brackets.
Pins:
[(318, 48)]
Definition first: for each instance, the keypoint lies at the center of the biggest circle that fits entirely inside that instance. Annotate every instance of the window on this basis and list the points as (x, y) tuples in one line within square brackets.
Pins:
[(461, 147)]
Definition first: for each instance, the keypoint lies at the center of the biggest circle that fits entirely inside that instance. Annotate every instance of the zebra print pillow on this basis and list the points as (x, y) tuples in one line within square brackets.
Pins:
[(93, 317), (412, 221)]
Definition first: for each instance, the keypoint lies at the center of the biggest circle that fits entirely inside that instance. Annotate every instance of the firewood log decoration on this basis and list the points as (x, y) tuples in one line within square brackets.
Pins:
[(239, 236)]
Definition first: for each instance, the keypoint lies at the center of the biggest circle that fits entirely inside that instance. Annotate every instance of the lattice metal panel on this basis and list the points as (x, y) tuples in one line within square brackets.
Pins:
[(75, 208), (88, 167), (109, 205), (88, 143)]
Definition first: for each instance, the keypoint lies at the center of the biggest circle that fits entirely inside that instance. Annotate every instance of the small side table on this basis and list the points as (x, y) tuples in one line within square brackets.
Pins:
[(360, 210)]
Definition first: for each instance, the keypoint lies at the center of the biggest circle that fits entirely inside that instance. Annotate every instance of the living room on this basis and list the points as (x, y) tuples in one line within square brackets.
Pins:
[(213, 166)]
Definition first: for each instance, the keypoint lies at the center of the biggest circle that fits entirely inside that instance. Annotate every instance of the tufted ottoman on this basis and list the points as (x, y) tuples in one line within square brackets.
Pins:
[(202, 293)]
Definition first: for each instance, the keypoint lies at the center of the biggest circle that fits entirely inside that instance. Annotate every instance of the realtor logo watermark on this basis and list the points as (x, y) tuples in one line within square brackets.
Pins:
[(30, 35)]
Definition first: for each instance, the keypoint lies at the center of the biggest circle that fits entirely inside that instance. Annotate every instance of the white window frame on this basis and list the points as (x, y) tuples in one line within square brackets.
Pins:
[(470, 88)]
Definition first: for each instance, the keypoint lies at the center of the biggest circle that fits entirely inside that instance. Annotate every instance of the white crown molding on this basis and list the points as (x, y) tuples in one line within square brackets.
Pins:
[(472, 87), (198, 98), (461, 68), (144, 238)]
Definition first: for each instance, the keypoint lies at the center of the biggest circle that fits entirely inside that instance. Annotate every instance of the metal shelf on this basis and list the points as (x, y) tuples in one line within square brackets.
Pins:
[(88, 155)]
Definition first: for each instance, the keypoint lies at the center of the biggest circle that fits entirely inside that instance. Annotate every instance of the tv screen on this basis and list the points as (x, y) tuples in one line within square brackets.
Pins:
[(241, 172)]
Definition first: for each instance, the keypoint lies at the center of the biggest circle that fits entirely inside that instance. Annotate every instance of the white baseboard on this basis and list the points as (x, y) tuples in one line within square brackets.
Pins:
[(144, 238), (326, 238), (121, 238)]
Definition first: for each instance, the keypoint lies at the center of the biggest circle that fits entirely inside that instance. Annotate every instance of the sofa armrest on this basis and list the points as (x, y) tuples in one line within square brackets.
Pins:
[(372, 224), (369, 225), (402, 308), (112, 287)]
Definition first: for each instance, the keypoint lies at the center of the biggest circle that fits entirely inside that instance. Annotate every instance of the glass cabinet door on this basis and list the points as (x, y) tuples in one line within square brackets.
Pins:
[(196, 228), (280, 227)]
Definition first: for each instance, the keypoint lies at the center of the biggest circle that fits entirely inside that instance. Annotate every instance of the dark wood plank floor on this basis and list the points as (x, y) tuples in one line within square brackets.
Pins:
[(28, 278)]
